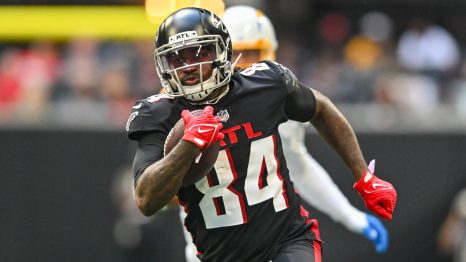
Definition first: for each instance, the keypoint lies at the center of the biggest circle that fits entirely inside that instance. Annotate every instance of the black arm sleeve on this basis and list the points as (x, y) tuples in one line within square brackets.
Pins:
[(149, 151), (300, 103)]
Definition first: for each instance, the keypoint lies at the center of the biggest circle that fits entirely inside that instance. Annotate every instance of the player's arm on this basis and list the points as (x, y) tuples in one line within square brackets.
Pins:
[(379, 196), (303, 104), (160, 181), (337, 132), (156, 179)]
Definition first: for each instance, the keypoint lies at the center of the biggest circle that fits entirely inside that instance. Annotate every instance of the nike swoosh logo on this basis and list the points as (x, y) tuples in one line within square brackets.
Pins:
[(378, 187), (137, 106), (201, 131)]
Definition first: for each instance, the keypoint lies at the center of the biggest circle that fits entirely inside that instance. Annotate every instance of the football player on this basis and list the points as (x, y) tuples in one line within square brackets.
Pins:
[(246, 208)]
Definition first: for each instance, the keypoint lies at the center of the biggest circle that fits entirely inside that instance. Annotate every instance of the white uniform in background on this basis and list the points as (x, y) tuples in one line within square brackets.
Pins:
[(313, 183)]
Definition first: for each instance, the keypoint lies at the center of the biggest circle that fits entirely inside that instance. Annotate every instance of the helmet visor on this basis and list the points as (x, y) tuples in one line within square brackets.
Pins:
[(180, 58)]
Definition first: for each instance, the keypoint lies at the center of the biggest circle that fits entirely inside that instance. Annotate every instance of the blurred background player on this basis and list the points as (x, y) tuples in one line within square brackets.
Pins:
[(452, 235), (253, 36)]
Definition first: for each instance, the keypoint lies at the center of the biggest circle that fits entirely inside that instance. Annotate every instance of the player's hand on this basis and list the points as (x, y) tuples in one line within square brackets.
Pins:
[(376, 232), (202, 130), (379, 196)]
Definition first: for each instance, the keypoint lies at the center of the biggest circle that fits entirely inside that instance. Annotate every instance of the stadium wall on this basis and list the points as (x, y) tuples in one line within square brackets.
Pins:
[(56, 197)]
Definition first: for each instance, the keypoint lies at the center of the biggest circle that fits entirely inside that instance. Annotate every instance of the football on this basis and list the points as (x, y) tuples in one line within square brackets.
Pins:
[(207, 160)]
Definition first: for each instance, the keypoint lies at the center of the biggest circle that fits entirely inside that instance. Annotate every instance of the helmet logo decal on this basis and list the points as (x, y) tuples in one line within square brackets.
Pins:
[(218, 23), (182, 35)]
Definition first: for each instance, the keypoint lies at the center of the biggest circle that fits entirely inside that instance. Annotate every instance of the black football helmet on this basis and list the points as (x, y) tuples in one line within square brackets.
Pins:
[(193, 28)]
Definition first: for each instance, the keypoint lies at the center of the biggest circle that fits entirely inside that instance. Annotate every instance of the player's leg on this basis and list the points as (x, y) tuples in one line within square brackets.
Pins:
[(301, 247), (300, 251)]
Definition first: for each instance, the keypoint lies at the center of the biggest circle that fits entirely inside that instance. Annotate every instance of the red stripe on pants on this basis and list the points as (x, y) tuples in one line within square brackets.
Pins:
[(317, 251)]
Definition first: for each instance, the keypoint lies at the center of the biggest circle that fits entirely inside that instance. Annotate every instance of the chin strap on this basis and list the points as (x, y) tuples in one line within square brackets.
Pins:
[(215, 100), (212, 101)]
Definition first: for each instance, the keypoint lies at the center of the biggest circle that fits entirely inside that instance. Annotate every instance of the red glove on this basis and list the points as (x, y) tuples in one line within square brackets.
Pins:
[(379, 196), (202, 130)]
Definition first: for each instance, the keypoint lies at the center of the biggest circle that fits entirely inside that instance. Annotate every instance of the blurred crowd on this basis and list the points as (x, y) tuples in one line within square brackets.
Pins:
[(415, 68), (95, 82), (83, 81)]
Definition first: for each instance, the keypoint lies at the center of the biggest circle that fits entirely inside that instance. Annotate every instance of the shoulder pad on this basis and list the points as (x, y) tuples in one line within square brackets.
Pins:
[(271, 69), (268, 71), (150, 114), (286, 75), (257, 68)]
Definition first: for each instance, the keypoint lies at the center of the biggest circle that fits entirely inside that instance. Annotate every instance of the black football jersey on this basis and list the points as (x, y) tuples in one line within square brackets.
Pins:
[(246, 208)]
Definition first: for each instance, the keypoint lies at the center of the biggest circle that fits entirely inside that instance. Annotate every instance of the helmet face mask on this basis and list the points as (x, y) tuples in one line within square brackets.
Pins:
[(193, 40)]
